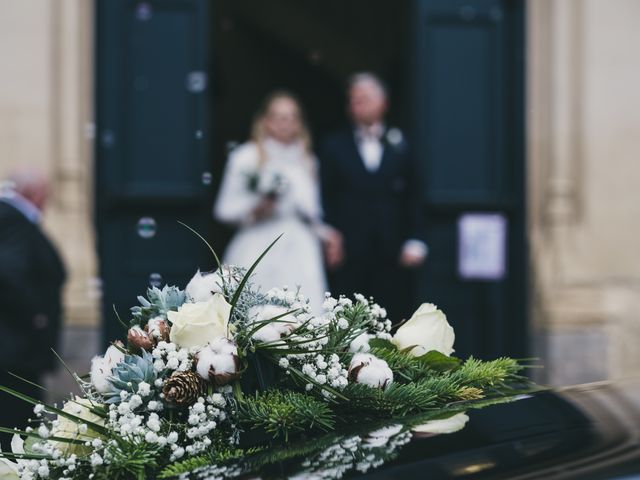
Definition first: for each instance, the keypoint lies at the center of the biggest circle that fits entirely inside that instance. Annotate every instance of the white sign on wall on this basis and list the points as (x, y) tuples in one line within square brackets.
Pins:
[(482, 245)]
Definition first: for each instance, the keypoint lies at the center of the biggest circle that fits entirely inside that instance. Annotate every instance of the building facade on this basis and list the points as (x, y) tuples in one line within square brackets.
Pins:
[(582, 137)]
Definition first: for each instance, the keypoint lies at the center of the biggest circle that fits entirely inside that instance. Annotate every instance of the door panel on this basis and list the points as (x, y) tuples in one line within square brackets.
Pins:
[(152, 146), (468, 132)]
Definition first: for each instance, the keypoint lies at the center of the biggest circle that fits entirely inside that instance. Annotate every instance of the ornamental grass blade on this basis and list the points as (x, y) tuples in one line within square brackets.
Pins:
[(124, 325), (69, 371), (27, 381), (245, 279), (263, 323), (215, 255), (37, 435), (26, 398)]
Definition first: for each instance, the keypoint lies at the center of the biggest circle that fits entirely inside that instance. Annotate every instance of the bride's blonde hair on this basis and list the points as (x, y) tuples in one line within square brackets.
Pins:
[(259, 134)]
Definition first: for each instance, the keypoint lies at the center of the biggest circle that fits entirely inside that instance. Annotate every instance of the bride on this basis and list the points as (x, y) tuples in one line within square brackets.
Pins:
[(270, 186)]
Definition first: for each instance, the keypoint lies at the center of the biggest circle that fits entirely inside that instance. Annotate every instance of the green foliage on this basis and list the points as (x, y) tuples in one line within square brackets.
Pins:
[(219, 454), (129, 374), (129, 460), (281, 413), (157, 303), (495, 373), (409, 368), (438, 362), (429, 390), (357, 314), (185, 466)]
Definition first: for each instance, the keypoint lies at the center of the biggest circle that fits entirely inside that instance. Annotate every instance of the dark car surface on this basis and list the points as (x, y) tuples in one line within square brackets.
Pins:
[(582, 432)]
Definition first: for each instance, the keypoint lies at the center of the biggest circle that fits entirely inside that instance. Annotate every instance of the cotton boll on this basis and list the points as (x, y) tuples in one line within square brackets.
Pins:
[(360, 343), (218, 362), (99, 374), (203, 285), (114, 355), (267, 333), (285, 323), (361, 359), (219, 368), (224, 345), (102, 368), (370, 370), (375, 375)]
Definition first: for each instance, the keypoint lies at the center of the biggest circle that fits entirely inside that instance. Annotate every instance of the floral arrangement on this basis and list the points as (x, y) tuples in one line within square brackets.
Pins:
[(220, 370), (267, 183)]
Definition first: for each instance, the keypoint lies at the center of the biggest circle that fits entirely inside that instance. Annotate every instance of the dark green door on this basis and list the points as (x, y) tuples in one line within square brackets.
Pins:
[(468, 126), (464, 107), (152, 137)]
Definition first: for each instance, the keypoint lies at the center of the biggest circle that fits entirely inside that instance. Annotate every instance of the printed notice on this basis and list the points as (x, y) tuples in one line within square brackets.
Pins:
[(482, 243)]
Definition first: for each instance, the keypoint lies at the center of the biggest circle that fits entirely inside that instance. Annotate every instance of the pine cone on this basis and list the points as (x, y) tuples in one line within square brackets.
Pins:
[(184, 388)]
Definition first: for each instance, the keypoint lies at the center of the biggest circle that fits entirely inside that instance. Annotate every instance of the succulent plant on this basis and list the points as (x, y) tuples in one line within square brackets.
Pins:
[(157, 304), (128, 375)]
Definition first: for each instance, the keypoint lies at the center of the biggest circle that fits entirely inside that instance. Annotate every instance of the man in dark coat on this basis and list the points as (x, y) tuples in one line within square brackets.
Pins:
[(371, 195), (31, 279)]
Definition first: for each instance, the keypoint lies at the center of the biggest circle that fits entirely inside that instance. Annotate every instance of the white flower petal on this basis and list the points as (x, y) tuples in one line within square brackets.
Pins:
[(427, 330)]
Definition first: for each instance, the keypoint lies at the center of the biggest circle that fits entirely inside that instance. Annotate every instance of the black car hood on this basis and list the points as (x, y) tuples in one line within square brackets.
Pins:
[(588, 432)]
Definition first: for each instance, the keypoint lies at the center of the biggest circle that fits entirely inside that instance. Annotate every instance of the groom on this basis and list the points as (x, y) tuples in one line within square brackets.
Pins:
[(371, 194)]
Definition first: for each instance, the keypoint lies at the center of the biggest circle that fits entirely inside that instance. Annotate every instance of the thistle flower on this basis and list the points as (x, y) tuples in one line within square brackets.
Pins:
[(370, 370)]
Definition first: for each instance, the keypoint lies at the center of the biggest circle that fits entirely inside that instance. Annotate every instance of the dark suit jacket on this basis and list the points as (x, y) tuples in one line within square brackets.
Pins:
[(31, 279), (376, 212)]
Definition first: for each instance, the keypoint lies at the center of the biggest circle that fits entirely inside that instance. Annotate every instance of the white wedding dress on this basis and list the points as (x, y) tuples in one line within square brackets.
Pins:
[(296, 259)]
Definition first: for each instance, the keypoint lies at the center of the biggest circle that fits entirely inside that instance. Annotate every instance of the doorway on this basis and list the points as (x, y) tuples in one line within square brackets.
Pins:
[(179, 82)]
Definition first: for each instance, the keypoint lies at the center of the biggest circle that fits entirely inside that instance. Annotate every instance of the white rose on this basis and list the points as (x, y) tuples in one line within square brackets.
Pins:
[(443, 426), (203, 286), (67, 428), (427, 330), (196, 324), (102, 368), (9, 469)]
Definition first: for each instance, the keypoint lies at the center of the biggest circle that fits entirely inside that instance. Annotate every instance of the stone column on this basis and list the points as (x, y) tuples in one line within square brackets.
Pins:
[(583, 138)]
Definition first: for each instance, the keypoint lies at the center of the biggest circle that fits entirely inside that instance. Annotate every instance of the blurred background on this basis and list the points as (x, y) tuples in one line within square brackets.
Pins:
[(528, 111)]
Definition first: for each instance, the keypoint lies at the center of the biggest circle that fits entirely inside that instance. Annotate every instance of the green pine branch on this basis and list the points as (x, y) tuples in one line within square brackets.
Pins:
[(281, 413)]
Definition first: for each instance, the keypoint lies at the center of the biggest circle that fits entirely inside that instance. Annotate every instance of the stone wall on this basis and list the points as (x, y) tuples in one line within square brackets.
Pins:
[(584, 202), (45, 121)]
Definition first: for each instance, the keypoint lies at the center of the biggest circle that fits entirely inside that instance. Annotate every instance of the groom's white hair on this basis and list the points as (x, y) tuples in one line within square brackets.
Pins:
[(367, 77)]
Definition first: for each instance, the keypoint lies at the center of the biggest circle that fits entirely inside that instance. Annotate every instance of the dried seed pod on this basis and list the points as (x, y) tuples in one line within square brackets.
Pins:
[(139, 339)]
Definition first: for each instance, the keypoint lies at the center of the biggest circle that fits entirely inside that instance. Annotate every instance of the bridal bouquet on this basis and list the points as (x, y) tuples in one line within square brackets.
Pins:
[(267, 183), (216, 372)]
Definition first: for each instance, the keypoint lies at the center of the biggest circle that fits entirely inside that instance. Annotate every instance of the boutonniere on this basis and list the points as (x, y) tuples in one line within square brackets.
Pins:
[(395, 137)]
